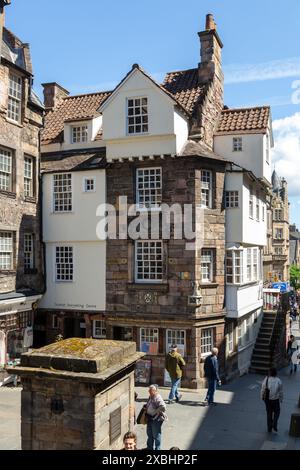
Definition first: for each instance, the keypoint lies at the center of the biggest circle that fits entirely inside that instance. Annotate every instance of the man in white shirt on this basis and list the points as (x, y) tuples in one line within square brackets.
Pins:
[(272, 394)]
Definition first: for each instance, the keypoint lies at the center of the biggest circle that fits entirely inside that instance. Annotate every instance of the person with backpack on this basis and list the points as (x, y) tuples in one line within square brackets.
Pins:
[(211, 372), (174, 365), (272, 394)]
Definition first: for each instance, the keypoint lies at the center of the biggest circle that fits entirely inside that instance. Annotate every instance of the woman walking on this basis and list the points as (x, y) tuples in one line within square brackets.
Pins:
[(272, 394), (156, 415)]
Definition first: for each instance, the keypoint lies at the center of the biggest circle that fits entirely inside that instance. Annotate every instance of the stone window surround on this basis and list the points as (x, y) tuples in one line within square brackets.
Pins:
[(155, 200), (34, 175), (11, 193), (207, 346), (29, 244), (15, 74), (158, 275), (12, 270), (207, 179), (212, 266)]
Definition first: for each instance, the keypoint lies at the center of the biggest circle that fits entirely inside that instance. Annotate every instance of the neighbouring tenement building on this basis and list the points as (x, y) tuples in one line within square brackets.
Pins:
[(21, 115), (172, 145), (277, 251)]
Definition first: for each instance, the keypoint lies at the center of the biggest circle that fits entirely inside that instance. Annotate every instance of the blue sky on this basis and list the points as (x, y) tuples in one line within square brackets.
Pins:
[(90, 45)]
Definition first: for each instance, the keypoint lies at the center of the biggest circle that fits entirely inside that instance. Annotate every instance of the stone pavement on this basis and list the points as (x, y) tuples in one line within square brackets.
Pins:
[(238, 422)]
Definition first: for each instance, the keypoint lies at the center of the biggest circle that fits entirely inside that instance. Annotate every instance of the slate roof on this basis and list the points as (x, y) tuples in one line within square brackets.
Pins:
[(72, 108), (254, 120), (75, 162), (192, 148), (15, 51), (185, 88)]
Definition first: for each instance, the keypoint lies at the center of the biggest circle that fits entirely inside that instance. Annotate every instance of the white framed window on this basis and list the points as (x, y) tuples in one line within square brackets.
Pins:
[(278, 234), (89, 185), (251, 204), (237, 144), (14, 98), (232, 199), (64, 264), (176, 337), (79, 134), (62, 192), (257, 207), (249, 264), (207, 341), (6, 163), (230, 338), (28, 177), (28, 251), (206, 189), (137, 116), (99, 329), (234, 267), (149, 340), (6, 251), (278, 250), (55, 322), (149, 261), (207, 265), (149, 187), (255, 264)]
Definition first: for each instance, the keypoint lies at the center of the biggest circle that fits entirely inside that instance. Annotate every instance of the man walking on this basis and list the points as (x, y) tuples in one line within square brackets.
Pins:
[(292, 346), (211, 372), (272, 394), (174, 365)]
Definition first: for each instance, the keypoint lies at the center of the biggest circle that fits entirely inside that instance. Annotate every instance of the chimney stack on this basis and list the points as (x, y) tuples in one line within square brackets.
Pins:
[(53, 95), (3, 3), (210, 23)]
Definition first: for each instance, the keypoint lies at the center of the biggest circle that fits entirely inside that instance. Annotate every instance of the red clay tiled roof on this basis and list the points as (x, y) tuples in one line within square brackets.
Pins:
[(185, 88), (71, 108), (244, 119)]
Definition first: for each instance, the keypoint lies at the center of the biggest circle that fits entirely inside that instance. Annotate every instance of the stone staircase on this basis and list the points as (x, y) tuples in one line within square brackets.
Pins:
[(269, 350)]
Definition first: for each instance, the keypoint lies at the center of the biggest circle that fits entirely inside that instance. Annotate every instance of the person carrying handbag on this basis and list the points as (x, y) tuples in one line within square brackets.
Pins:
[(156, 415), (272, 395)]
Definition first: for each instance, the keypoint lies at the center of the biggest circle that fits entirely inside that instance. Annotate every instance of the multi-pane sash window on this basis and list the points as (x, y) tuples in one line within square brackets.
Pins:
[(251, 204), (79, 134), (99, 329), (207, 264), (234, 267), (176, 337), (6, 250), (207, 340), (279, 233), (14, 98), (64, 264), (206, 189), (149, 261), (232, 199), (28, 177), (255, 264), (5, 170), (240, 334), (237, 144), (28, 251), (89, 185), (257, 207), (62, 192), (149, 187), (249, 264), (149, 340), (137, 116), (278, 251)]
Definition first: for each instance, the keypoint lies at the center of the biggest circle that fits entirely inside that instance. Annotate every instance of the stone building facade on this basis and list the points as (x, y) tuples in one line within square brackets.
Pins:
[(277, 252), (21, 117)]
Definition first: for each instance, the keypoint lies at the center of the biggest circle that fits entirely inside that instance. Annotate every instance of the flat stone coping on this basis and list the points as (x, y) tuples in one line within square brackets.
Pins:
[(80, 355)]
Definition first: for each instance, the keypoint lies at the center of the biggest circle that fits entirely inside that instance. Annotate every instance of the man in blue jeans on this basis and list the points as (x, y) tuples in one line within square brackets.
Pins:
[(211, 372), (174, 365)]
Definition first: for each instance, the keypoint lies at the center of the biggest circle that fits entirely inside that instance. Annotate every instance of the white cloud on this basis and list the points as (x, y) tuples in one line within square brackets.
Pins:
[(286, 153), (275, 69)]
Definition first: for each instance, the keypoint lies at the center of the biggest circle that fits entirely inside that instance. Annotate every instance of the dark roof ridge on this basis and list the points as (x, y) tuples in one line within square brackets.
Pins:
[(246, 108), (183, 70), (87, 94)]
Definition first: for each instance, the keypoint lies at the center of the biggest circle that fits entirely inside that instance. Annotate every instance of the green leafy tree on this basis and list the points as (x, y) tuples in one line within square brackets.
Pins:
[(295, 276)]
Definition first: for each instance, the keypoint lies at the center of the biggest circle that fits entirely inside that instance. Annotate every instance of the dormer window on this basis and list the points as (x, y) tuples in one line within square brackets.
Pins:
[(14, 98), (79, 134), (237, 144), (137, 116)]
